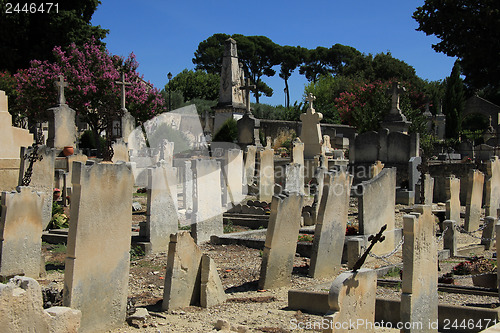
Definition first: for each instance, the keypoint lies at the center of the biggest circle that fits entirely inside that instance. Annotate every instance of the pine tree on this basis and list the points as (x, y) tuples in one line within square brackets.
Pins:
[(454, 102)]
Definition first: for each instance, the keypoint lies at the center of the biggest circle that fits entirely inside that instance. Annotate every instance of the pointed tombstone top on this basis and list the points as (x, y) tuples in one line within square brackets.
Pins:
[(61, 84), (123, 84), (310, 98), (230, 49), (394, 91)]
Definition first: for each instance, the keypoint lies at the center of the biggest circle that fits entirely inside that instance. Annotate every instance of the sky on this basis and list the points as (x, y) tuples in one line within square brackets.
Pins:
[(165, 34)]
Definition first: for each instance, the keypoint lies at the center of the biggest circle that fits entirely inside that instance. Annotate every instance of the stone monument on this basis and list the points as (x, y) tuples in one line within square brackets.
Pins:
[(395, 121), (311, 131), (62, 126)]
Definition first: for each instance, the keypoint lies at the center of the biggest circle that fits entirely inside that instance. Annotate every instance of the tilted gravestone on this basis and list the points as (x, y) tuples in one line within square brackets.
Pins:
[(474, 200), (331, 223), (21, 233), (161, 215), (294, 181), (281, 241), (233, 174), (249, 172), (452, 187), (492, 188), (419, 300), (352, 302), (212, 292), (266, 175), (98, 258), (376, 208), (207, 207)]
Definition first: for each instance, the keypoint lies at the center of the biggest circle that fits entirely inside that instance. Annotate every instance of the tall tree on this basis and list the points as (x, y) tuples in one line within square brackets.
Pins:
[(469, 30), (454, 102), (291, 57), (208, 55), (195, 84), (32, 35)]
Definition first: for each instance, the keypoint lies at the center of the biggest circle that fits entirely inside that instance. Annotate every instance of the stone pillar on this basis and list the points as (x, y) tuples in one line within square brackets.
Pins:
[(21, 233), (474, 200), (419, 298), (161, 215), (450, 237), (281, 241), (266, 175), (233, 174), (452, 187), (187, 187), (297, 151), (98, 258), (329, 234)]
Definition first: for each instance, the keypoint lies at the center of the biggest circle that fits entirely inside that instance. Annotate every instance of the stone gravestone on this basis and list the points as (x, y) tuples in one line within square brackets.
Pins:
[(298, 151), (183, 275), (62, 126), (212, 292), (376, 207), (352, 302), (452, 187), (450, 237), (331, 223), (294, 178), (207, 207), (11, 140), (98, 258), (474, 200), (492, 188), (266, 175), (187, 187), (419, 300), (233, 174), (120, 151), (281, 241), (161, 215), (21, 233), (127, 121), (487, 236), (250, 165), (42, 178), (376, 168), (310, 134), (428, 191)]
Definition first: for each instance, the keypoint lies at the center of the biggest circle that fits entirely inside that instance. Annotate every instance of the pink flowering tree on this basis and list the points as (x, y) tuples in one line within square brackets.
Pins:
[(91, 72)]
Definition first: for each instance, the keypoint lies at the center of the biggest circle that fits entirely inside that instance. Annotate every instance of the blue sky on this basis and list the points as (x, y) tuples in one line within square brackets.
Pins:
[(165, 34)]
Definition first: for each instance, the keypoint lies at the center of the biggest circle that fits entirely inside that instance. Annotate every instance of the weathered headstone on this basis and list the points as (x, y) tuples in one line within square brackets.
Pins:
[(428, 191), (488, 231), (474, 200), (120, 151), (492, 189), (233, 174), (376, 208), (281, 241), (161, 215), (294, 181), (452, 187), (42, 178), (183, 275), (187, 187), (266, 175), (413, 172), (21, 233), (207, 206), (297, 151), (62, 126), (250, 165), (419, 300), (352, 302), (329, 233), (21, 310), (376, 168), (98, 258), (311, 131), (450, 237), (212, 292)]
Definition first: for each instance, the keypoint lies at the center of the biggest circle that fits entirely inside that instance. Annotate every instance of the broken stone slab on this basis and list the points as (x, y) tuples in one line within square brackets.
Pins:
[(21, 310), (183, 275), (212, 292)]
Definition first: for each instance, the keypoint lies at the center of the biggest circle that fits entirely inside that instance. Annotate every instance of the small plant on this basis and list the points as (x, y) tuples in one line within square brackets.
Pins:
[(229, 228), (59, 220), (476, 265), (393, 272), (185, 227), (136, 252), (306, 238)]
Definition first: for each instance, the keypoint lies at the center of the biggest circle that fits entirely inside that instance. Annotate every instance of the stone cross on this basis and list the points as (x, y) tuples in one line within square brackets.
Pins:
[(248, 87), (311, 98), (394, 92), (123, 84), (61, 84)]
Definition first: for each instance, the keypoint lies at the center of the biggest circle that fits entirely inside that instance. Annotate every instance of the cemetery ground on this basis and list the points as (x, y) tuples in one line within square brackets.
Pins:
[(247, 308)]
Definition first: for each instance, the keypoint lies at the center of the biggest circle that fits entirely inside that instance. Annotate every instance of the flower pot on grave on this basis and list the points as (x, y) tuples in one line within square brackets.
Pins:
[(488, 280), (68, 150)]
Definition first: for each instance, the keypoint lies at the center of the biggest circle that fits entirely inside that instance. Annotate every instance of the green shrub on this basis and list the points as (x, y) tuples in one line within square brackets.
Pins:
[(228, 132)]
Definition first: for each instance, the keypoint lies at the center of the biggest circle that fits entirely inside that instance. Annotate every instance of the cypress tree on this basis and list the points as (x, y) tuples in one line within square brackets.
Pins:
[(454, 102)]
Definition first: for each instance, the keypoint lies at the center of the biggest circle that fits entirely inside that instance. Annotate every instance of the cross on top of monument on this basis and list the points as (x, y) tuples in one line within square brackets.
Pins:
[(248, 87), (394, 91), (123, 84), (310, 98), (61, 84)]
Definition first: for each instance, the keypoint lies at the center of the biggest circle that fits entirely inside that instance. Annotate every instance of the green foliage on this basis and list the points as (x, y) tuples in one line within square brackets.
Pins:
[(228, 132), (305, 238), (266, 111), (228, 227), (34, 35), (469, 30), (195, 85), (427, 144), (393, 272), (185, 227), (136, 252), (454, 103), (165, 131), (88, 140), (59, 248), (59, 220)]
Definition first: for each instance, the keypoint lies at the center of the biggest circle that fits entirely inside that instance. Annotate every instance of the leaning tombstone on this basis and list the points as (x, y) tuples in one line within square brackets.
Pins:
[(474, 200), (281, 241), (98, 258), (21, 233), (488, 232), (329, 233), (419, 300), (452, 187), (492, 188), (266, 174)]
